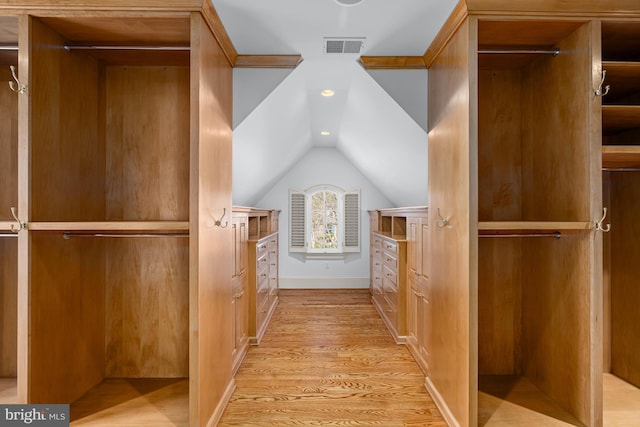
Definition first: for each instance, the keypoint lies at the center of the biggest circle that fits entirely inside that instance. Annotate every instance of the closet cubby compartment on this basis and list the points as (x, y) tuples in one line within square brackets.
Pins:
[(9, 358), (532, 325), (531, 123)]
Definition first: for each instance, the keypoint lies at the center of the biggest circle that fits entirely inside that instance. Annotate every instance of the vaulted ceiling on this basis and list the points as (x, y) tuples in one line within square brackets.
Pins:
[(376, 119)]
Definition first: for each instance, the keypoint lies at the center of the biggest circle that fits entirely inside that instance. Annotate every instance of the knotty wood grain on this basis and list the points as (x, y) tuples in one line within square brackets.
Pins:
[(327, 358)]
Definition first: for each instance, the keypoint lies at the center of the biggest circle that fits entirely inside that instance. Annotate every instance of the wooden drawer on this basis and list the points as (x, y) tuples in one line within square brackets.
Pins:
[(261, 248), (390, 261), (390, 293), (390, 275), (390, 247)]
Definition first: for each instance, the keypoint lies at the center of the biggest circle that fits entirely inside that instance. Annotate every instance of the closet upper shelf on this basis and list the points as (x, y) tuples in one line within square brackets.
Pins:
[(620, 156), (532, 227), (114, 226)]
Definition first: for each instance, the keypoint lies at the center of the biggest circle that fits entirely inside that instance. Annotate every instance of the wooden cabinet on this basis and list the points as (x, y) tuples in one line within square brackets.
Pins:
[(621, 193), (9, 354), (393, 254), (121, 186), (514, 185), (263, 272), (418, 292), (240, 285)]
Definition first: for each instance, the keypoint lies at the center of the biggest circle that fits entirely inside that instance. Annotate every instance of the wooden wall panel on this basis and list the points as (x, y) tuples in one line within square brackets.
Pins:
[(8, 306), (67, 154), (67, 317), (556, 127), (211, 336), (624, 275), (8, 148), (147, 308), (499, 145), (452, 141), (147, 143), (500, 306)]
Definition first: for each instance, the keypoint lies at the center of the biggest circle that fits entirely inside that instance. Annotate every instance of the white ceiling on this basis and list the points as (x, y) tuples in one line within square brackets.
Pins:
[(375, 119)]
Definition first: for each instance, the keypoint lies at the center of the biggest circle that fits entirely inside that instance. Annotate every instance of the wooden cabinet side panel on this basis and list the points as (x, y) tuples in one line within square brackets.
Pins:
[(453, 371), (211, 335), (67, 152), (9, 147), (556, 132), (8, 307), (67, 317)]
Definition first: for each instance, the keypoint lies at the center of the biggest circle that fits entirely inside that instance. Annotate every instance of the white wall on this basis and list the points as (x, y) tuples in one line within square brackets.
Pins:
[(323, 166)]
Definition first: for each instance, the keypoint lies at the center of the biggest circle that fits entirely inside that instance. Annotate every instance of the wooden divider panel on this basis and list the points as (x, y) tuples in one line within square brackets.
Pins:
[(211, 263), (8, 306), (67, 152), (453, 343), (67, 317), (8, 148)]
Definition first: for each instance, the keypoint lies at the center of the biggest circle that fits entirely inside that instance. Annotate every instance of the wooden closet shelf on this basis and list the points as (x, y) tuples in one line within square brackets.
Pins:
[(116, 226), (618, 118), (623, 76), (6, 225), (621, 156), (487, 228)]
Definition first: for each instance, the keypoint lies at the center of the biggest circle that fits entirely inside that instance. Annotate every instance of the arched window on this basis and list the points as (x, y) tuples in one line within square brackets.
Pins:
[(324, 219)]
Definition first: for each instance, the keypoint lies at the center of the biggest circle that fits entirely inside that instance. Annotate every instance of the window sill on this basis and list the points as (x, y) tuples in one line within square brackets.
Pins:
[(324, 256)]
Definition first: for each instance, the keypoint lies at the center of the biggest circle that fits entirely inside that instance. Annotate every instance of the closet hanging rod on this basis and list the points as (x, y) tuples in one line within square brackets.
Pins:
[(554, 52), (555, 235), (9, 47), (8, 234), (117, 47), (634, 169), (68, 236)]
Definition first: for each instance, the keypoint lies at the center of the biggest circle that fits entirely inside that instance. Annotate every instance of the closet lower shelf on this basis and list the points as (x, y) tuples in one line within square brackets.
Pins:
[(513, 400), (621, 402), (8, 391), (157, 402)]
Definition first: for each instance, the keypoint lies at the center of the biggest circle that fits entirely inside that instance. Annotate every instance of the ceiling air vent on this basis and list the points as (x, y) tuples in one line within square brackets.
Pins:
[(343, 44)]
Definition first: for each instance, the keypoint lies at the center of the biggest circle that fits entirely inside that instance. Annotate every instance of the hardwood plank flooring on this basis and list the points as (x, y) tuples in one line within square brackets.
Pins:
[(327, 359)]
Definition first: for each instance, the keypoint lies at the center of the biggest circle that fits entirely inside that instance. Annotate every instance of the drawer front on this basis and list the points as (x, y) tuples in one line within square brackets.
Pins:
[(390, 275), (391, 293), (261, 248), (390, 247), (390, 262)]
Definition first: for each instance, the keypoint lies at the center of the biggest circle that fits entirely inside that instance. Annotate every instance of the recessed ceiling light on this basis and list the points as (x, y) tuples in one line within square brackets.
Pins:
[(348, 2), (327, 92), (325, 133)]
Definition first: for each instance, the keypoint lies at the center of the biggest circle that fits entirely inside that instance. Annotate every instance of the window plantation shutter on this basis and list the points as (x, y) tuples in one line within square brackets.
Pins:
[(352, 221), (297, 213)]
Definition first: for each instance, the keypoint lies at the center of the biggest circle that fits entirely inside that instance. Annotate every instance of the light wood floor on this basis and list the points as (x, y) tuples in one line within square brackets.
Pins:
[(327, 359)]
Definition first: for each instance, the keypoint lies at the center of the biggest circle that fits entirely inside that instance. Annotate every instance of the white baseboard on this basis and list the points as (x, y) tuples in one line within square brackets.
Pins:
[(323, 282)]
